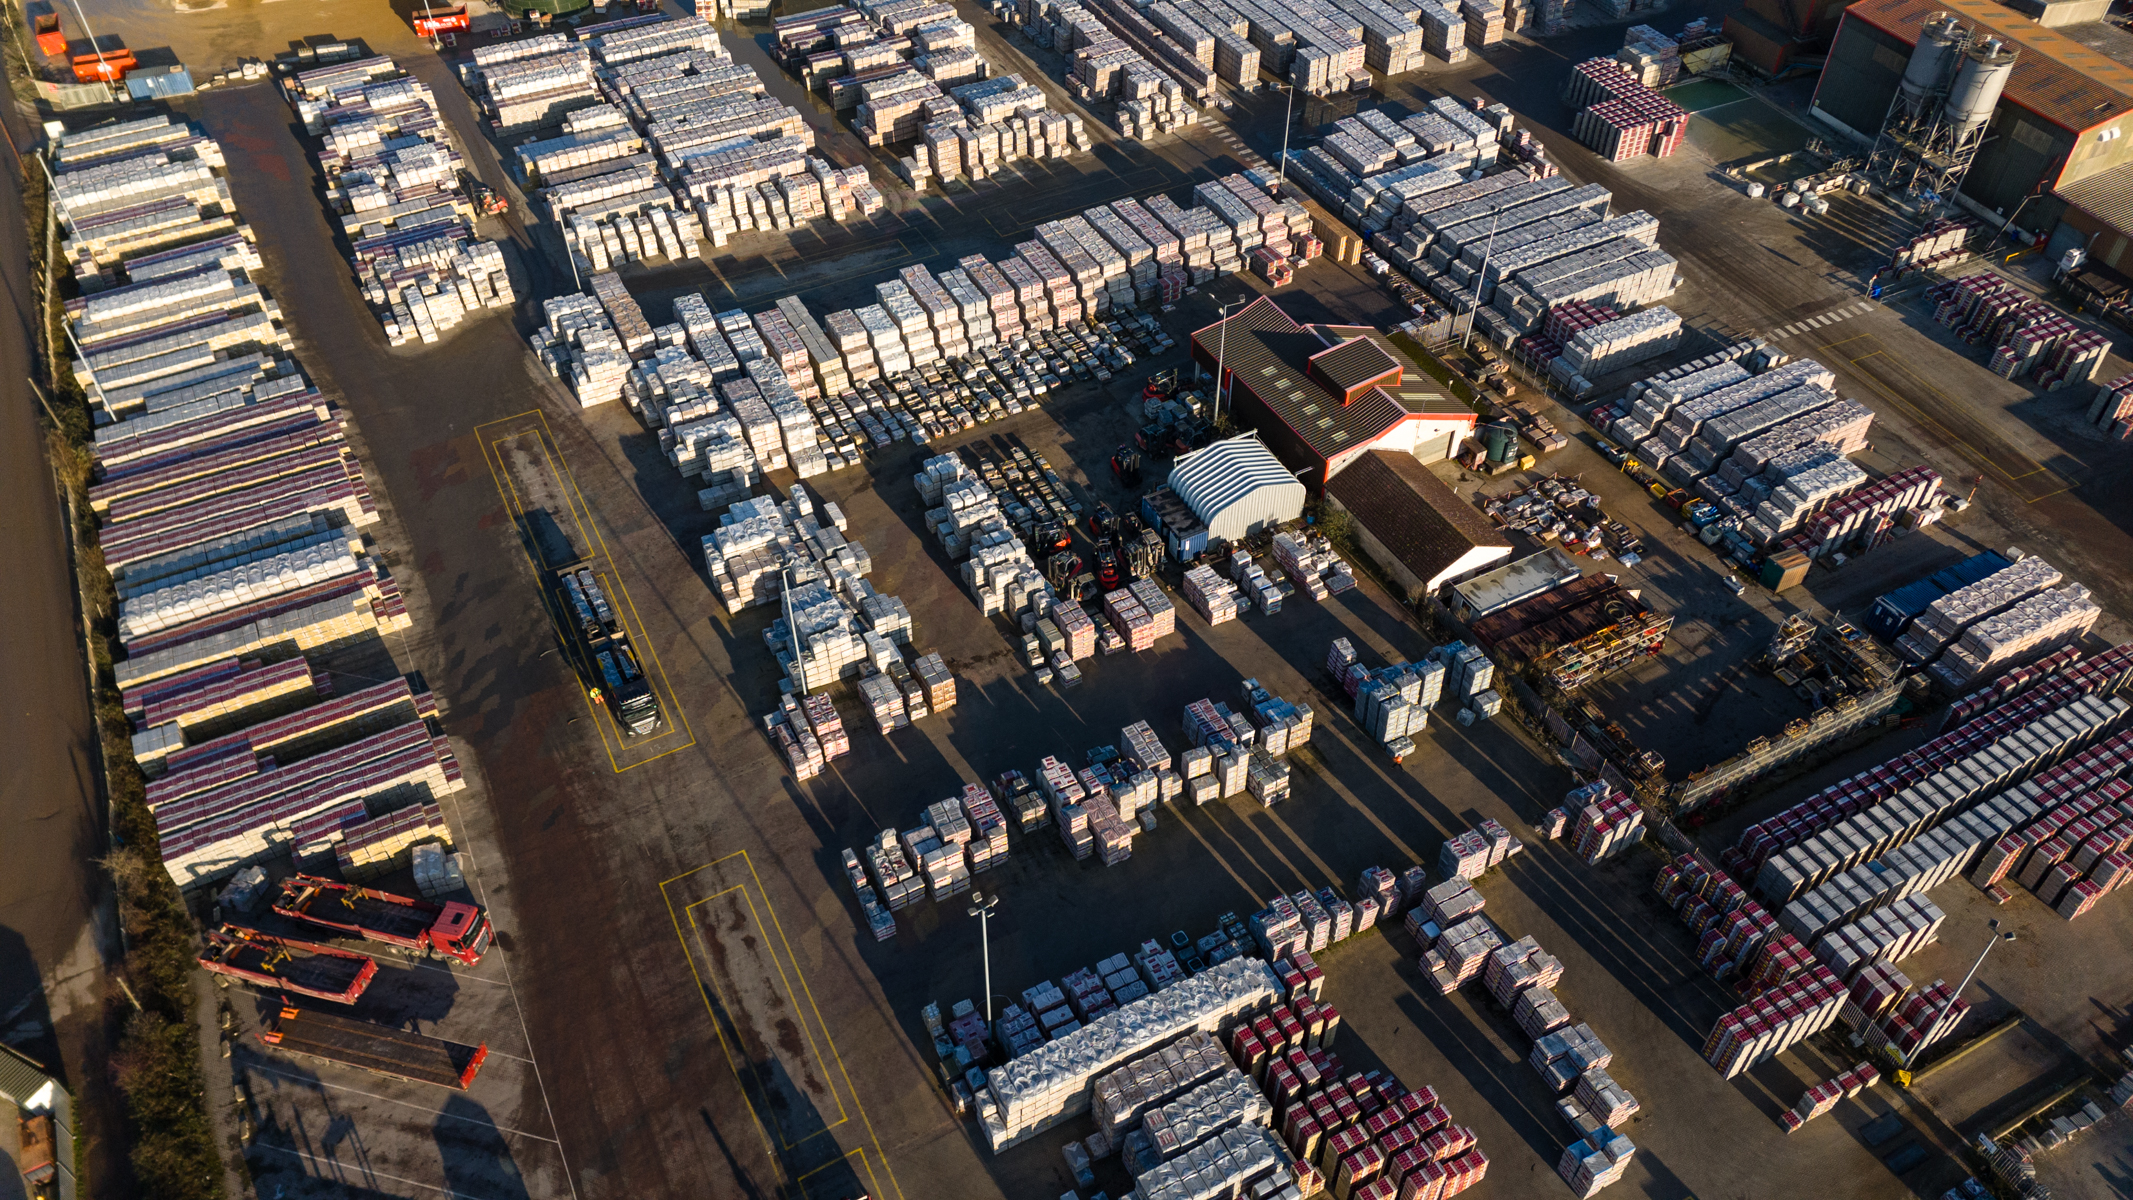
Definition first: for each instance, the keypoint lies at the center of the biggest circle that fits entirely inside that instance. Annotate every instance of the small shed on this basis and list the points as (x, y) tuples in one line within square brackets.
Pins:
[(1237, 488), (1412, 524), (1541, 571)]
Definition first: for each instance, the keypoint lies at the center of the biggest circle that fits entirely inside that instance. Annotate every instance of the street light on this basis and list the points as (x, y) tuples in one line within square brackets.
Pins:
[(1288, 117), (1222, 344), (981, 907), (1490, 248), (1996, 938)]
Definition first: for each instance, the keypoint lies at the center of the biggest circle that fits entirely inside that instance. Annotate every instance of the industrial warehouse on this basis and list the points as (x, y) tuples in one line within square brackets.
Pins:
[(1227, 598)]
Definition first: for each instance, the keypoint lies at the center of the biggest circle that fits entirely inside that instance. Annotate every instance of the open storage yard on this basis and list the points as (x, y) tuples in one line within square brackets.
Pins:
[(573, 609)]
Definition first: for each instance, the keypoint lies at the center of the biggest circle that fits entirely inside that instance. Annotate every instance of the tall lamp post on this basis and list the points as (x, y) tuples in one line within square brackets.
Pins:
[(1996, 938), (1488, 249), (1222, 344), (1288, 118), (981, 907)]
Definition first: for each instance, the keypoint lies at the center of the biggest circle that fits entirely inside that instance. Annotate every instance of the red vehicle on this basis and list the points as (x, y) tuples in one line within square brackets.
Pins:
[(433, 22), (380, 1049), (288, 965), (44, 22), (104, 66), (453, 929)]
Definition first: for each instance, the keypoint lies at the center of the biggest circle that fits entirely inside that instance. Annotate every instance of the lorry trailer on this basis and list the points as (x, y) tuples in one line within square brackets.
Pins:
[(454, 929), (610, 663), (379, 1049), (305, 968)]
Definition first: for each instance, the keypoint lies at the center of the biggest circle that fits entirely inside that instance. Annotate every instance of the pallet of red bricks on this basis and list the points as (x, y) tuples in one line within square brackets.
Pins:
[(1823, 1096)]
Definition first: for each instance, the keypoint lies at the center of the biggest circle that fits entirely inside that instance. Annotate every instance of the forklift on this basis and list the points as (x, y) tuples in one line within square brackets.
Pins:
[(1110, 566), (1050, 537), (485, 199), (1103, 523), (1126, 466)]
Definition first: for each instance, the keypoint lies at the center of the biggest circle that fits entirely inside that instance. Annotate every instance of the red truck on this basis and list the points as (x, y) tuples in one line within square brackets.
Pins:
[(44, 22), (380, 1049), (453, 929), (433, 21), (288, 965)]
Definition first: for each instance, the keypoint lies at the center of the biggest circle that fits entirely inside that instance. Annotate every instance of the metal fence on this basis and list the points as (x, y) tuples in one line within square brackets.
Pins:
[(1801, 738)]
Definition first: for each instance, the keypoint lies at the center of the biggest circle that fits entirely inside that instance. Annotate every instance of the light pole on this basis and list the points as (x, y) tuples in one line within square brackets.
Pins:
[(1996, 938), (981, 907), (1222, 344), (1495, 214), (1288, 117)]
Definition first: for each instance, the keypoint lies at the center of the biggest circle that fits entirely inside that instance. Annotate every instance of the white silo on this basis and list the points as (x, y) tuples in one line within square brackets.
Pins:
[(1924, 77), (1987, 63)]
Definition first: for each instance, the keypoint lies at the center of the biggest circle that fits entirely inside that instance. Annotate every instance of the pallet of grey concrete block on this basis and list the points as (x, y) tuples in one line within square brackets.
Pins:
[(2030, 628), (1806, 492), (1428, 215), (1840, 426), (1951, 614), (1054, 1082), (1687, 417), (1612, 345), (1639, 226), (1228, 1100), (1721, 433), (1465, 225), (1654, 398), (1890, 935), (74, 147), (664, 35), (1464, 249), (1643, 277)]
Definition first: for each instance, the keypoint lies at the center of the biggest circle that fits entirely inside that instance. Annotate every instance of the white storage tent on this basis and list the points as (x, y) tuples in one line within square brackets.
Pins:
[(1237, 488)]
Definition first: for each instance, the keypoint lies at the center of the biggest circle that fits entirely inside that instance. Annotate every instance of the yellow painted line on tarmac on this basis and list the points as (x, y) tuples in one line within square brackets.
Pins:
[(695, 972), (589, 535), (1969, 451)]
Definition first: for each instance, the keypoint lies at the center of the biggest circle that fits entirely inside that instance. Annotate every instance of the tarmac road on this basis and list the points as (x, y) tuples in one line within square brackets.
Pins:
[(56, 924)]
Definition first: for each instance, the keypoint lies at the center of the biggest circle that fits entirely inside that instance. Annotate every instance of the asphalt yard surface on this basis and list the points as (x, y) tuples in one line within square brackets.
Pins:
[(702, 1007)]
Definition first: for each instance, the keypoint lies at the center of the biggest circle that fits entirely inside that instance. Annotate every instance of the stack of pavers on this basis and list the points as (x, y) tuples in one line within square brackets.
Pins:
[(229, 507), (1770, 840), (1619, 117), (1611, 345), (2112, 407), (1940, 825), (912, 72), (1359, 1134), (1823, 1096), (1055, 1082), (2026, 334), (1780, 1017), (1599, 821), (125, 190), (529, 84), (216, 813), (1768, 449), (1731, 928), (2022, 630), (393, 178), (1948, 619)]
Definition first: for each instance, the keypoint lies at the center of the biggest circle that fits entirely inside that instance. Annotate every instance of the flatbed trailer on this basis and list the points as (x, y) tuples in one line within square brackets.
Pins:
[(453, 928), (610, 662), (304, 968), (379, 1049)]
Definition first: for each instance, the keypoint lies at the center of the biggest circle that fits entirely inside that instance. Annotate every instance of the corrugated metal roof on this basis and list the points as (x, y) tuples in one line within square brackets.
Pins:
[(1268, 353), (1414, 515), (22, 1080), (1237, 485), (2107, 196), (2055, 77), (1353, 363)]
